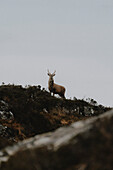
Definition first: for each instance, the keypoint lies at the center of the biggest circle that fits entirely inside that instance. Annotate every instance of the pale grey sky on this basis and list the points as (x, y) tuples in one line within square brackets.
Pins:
[(73, 37)]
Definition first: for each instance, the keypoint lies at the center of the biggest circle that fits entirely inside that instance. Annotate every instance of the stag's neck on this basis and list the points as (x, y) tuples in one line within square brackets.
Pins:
[(50, 84)]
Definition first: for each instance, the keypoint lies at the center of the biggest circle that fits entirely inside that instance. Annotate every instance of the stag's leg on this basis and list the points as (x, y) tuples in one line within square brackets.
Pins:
[(62, 95)]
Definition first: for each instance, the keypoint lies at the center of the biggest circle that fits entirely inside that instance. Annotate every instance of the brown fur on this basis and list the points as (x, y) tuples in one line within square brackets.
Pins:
[(57, 89)]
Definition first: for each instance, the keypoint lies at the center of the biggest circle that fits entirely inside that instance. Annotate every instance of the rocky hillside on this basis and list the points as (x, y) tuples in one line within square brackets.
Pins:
[(26, 112)]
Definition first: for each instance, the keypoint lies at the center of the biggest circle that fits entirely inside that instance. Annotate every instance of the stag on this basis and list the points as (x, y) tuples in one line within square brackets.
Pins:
[(55, 88)]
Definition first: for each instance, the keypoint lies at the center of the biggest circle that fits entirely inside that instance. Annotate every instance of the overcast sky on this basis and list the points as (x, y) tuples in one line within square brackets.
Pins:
[(73, 37)]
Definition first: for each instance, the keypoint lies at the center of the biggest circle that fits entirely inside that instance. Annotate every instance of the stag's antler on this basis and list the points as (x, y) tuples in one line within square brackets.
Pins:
[(54, 73)]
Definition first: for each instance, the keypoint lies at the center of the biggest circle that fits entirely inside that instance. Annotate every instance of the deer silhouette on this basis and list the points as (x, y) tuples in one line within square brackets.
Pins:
[(55, 88)]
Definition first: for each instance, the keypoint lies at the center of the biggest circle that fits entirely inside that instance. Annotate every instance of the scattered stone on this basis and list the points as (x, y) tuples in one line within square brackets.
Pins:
[(5, 114), (2, 130), (88, 111)]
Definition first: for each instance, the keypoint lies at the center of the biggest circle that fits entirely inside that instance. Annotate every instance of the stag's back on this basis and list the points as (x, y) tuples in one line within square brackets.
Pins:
[(58, 89)]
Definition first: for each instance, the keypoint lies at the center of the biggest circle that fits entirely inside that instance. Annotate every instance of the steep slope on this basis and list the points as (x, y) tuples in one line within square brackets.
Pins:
[(26, 112)]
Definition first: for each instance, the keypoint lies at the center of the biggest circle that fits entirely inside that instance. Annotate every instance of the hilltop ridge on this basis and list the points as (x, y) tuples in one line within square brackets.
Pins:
[(28, 111)]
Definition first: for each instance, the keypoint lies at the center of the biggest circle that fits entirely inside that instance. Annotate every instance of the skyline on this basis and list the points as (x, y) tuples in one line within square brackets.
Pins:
[(73, 37)]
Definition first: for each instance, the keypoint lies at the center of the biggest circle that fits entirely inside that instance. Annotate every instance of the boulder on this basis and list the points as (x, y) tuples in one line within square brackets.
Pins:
[(86, 144)]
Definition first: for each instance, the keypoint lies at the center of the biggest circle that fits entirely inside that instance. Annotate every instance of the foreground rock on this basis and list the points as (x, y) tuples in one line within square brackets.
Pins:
[(84, 145)]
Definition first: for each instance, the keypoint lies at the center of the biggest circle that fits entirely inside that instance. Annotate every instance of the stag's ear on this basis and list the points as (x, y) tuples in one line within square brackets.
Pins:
[(53, 74), (48, 72)]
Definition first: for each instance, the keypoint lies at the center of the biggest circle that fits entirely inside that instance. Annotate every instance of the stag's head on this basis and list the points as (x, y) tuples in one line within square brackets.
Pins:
[(51, 75)]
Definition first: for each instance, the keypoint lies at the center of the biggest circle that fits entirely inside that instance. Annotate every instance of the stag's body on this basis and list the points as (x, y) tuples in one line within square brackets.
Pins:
[(55, 88)]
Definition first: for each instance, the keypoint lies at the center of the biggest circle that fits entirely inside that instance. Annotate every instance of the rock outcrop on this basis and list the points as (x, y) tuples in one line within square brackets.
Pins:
[(84, 145), (5, 114), (6, 119)]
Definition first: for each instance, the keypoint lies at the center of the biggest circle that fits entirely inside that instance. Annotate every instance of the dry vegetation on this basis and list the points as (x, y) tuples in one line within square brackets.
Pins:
[(36, 111)]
